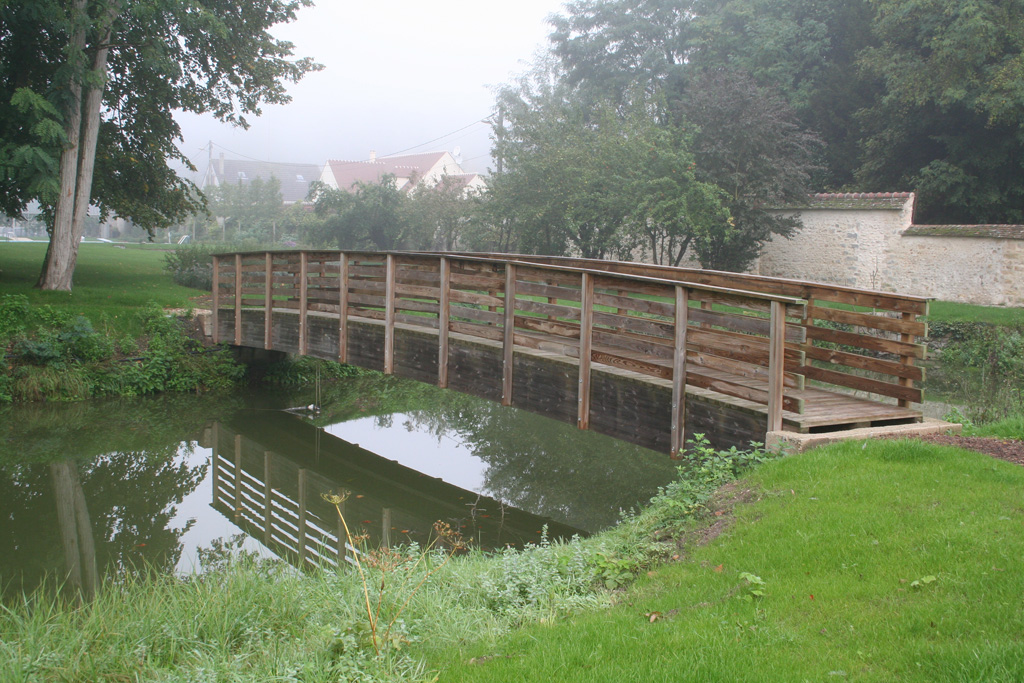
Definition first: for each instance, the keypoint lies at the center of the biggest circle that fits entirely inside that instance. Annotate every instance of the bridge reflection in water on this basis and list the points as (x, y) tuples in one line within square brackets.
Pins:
[(269, 476), (647, 354)]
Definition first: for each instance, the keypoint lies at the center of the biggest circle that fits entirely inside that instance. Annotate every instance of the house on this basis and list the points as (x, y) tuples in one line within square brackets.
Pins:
[(294, 178), (410, 171)]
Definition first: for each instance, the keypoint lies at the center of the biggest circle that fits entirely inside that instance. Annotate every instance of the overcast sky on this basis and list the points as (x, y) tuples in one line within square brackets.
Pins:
[(398, 74)]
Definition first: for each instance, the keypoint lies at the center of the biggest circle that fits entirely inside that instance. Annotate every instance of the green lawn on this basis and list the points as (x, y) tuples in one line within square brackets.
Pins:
[(885, 561), (109, 282), (948, 311)]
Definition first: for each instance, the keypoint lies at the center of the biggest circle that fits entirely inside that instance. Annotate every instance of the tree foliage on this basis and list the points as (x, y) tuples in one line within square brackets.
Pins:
[(602, 171), (921, 95), (109, 74), (251, 208)]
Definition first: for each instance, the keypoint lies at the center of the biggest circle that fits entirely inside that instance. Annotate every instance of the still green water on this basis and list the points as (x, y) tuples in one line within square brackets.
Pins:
[(93, 487)]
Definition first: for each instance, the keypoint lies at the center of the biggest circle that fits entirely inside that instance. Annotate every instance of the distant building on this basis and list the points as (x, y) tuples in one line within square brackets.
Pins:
[(410, 171), (294, 178)]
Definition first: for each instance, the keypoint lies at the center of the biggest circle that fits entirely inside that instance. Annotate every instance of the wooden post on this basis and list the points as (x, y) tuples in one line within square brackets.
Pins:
[(268, 497), (586, 344), (389, 316), (268, 303), (907, 360), (679, 371), (303, 300), (302, 517), (508, 339), (238, 476), (776, 365), (343, 308), (443, 316), (215, 473), (238, 299), (215, 304)]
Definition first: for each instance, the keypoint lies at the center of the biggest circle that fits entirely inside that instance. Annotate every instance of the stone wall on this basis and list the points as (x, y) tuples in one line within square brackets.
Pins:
[(869, 240)]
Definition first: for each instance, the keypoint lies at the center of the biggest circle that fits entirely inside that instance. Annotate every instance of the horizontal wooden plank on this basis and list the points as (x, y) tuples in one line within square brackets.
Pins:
[(548, 276), (421, 306), (554, 327), (474, 298), (475, 330), (542, 308), (912, 394), (853, 360), (638, 325), (878, 322), (745, 324), (631, 304), (478, 314), (483, 282), (549, 291), (417, 291), (865, 342)]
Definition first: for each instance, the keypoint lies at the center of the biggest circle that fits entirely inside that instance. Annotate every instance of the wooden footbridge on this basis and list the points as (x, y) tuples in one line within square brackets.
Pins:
[(648, 354)]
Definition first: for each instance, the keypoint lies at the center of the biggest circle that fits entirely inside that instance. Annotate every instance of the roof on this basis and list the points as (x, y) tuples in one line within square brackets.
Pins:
[(347, 173), (1006, 232), (461, 181), (294, 178), (855, 200)]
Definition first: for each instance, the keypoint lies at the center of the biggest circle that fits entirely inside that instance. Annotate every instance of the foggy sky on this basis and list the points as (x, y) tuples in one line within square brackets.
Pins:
[(397, 74)]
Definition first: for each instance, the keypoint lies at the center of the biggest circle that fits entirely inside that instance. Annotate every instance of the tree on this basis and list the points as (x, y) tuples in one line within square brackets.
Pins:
[(566, 163), (750, 145), (113, 72), (439, 215), (371, 215), (253, 208), (951, 122)]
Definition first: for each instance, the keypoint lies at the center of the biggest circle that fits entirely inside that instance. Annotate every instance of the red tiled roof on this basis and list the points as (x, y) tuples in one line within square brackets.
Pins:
[(347, 173)]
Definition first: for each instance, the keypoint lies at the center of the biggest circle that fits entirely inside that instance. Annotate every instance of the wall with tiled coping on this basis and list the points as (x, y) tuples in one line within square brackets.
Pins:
[(869, 240)]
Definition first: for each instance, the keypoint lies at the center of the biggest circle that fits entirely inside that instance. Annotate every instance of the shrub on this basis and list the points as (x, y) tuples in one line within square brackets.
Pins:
[(191, 265)]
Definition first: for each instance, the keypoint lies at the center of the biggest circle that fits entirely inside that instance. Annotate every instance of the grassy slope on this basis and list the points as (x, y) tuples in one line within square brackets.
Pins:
[(839, 537), (109, 282)]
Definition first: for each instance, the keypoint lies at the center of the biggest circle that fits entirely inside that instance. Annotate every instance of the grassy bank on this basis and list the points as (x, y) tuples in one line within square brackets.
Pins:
[(879, 561), (110, 282)]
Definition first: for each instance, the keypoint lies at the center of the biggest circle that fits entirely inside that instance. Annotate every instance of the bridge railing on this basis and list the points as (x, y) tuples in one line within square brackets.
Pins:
[(736, 343), (855, 338)]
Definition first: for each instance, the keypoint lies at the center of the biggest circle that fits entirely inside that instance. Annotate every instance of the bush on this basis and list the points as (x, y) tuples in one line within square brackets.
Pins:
[(982, 367), (191, 265)]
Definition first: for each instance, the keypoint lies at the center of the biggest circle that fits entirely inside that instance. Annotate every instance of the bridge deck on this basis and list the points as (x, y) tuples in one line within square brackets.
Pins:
[(580, 339)]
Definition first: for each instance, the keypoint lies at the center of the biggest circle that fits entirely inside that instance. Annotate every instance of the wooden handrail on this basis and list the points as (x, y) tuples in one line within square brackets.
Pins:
[(611, 313)]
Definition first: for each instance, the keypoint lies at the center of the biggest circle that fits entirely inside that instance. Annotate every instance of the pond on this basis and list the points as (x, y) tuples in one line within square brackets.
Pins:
[(110, 485)]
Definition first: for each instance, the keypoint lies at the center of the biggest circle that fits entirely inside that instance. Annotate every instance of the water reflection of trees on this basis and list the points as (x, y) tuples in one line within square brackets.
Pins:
[(552, 468), (534, 463), (94, 485)]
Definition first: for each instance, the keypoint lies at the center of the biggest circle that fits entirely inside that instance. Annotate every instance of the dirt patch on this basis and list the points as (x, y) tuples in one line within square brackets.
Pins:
[(720, 518), (1010, 450)]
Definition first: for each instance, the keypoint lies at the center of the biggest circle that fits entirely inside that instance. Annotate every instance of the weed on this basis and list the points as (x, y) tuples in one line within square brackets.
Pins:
[(384, 610)]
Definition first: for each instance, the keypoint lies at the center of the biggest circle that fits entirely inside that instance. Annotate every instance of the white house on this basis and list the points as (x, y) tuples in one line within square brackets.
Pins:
[(410, 171)]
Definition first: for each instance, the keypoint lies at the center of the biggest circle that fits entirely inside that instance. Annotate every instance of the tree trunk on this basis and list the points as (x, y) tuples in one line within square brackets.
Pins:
[(59, 252), (81, 572), (77, 164)]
